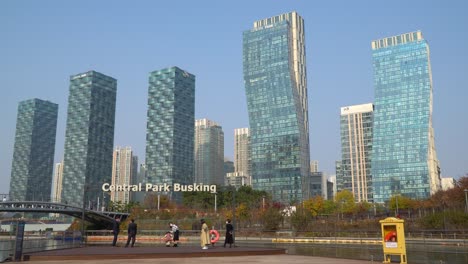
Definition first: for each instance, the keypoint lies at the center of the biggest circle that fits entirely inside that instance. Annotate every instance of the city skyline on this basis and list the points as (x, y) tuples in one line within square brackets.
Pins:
[(44, 47)]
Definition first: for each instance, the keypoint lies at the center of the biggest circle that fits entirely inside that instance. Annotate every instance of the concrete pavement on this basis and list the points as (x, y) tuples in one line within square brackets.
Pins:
[(269, 259)]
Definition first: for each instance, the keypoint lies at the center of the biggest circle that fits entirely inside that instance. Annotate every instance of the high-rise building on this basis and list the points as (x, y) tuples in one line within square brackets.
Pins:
[(57, 183), (331, 183), (141, 178), (317, 186), (356, 149), (331, 188), (33, 154), (228, 166), (237, 179), (314, 166), (89, 138), (170, 129), (124, 165), (274, 64), (404, 160), (209, 152), (242, 150), (448, 183)]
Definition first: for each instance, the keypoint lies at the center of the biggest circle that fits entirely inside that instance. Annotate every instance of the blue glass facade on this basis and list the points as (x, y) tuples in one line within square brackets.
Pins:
[(89, 138), (171, 127), (403, 155), (33, 155), (274, 78)]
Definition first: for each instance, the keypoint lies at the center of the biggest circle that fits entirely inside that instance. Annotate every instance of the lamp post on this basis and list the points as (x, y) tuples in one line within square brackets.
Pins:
[(83, 214), (396, 200), (342, 201), (466, 200), (159, 200), (215, 204), (234, 215)]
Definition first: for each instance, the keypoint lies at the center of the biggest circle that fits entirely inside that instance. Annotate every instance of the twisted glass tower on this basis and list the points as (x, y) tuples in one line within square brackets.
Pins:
[(404, 160), (171, 127), (33, 155), (276, 91), (89, 138)]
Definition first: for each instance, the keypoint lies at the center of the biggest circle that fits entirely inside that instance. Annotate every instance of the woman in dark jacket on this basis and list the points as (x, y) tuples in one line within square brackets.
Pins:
[(229, 230)]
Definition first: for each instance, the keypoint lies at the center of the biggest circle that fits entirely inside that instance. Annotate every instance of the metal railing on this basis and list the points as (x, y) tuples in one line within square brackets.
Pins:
[(39, 241)]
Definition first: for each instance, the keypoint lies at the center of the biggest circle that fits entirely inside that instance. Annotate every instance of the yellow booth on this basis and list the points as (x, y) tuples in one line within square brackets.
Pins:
[(393, 239)]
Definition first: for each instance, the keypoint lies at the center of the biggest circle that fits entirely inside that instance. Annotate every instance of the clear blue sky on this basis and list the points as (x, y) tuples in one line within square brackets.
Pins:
[(42, 43)]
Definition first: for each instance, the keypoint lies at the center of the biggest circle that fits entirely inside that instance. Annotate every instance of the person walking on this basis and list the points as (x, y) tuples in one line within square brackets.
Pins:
[(205, 235), (115, 231), (132, 231), (175, 234), (229, 230)]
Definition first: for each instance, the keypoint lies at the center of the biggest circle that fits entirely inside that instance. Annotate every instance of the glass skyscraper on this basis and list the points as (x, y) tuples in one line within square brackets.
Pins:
[(404, 160), (33, 154), (356, 149), (276, 91), (209, 152), (171, 127), (89, 138)]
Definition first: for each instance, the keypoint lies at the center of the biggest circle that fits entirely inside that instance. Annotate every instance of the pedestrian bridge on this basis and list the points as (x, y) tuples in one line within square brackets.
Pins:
[(100, 219)]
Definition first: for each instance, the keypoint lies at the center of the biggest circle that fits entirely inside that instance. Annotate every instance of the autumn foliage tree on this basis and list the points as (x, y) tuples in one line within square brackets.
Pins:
[(314, 205)]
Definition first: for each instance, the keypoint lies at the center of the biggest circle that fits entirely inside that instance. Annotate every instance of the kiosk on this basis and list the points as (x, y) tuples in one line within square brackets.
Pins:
[(393, 239)]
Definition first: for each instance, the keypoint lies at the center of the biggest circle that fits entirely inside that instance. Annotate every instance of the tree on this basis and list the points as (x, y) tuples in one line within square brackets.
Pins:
[(363, 208), (314, 205), (300, 219), (242, 213), (151, 201), (272, 218), (116, 206), (402, 202), (345, 202), (329, 206)]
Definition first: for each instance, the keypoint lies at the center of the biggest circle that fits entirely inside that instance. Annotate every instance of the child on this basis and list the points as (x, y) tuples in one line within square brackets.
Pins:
[(167, 238)]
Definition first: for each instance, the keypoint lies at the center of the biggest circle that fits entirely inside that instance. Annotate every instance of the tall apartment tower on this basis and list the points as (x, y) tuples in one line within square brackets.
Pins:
[(57, 183), (89, 138), (242, 151), (209, 152), (404, 160), (274, 62), (356, 149), (170, 130), (314, 166), (124, 165), (33, 154)]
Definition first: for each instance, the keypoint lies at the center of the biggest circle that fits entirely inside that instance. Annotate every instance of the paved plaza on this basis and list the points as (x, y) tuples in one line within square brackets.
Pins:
[(186, 254), (267, 259)]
